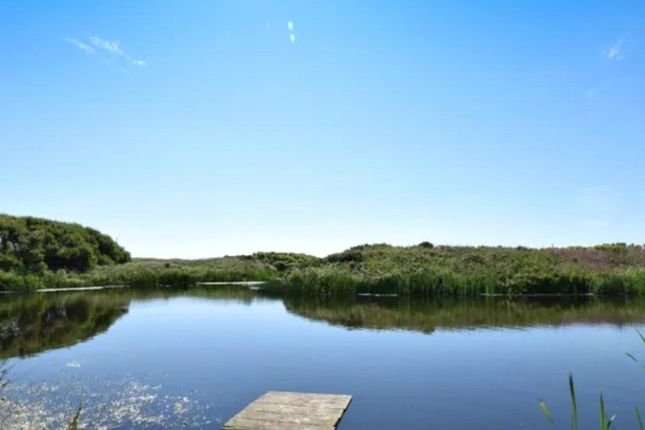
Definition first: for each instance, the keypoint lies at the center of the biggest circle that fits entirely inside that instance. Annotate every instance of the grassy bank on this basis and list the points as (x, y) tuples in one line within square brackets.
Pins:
[(36, 253), (39, 253), (145, 273), (420, 270), (425, 269)]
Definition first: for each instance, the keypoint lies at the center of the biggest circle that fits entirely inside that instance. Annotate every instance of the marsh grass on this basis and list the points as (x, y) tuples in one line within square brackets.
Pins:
[(73, 424), (426, 271), (637, 412), (606, 421), (468, 271)]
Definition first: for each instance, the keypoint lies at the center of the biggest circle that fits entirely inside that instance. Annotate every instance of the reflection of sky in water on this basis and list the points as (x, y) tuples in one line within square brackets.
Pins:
[(221, 354), (104, 404)]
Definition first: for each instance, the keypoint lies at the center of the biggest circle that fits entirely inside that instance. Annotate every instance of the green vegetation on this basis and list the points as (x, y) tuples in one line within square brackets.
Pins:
[(32, 250), (36, 253), (34, 245), (429, 270), (151, 273), (605, 421)]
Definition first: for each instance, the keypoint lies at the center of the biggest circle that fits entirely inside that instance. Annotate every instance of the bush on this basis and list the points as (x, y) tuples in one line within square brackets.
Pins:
[(34, 245)]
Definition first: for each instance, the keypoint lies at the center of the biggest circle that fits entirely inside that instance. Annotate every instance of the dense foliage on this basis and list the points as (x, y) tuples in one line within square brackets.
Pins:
[(34, 246), (37, 253), (426, 269)]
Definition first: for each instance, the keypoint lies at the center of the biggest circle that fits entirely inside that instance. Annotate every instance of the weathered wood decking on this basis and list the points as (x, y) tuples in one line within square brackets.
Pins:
[(291, 411)]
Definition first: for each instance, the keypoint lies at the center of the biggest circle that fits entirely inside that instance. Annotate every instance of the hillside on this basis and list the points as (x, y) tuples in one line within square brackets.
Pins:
[(35, 245), (428, 269), (37, 253)]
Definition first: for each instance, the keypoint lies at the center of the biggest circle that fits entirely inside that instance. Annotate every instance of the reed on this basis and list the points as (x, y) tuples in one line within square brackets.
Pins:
[(606, 421)]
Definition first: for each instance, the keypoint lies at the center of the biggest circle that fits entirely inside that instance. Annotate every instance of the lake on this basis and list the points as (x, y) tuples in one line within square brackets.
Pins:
[(193, 358)]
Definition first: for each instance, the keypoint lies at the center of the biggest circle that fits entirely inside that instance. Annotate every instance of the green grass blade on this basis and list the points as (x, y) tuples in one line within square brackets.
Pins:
[(641, 336), (73, 425), (574, 404), (546, 411), (632, 357), (605, 423), (638, 418)]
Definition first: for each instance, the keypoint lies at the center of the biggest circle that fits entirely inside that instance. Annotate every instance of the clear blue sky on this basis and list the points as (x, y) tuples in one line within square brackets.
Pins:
[(204, 128)]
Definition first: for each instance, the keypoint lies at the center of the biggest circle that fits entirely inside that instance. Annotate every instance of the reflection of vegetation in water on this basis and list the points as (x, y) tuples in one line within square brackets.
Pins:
[(37, 322), (34, 323), (426, 316), (30, 324)]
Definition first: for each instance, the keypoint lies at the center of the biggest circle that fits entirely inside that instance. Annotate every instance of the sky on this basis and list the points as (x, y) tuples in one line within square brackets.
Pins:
[(207, 128)]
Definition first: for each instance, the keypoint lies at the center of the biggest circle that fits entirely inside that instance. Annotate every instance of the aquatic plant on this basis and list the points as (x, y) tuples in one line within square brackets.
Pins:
[(605, 421)]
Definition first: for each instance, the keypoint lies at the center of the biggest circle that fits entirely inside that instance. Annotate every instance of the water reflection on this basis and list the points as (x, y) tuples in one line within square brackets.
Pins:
[(169, 357), (35, 323), (30, 324), (427, 315)]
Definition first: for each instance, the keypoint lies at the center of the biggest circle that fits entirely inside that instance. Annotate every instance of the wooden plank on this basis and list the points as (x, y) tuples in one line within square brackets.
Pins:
[(287, 397), (251, 424), (294, 410), (288, 416), (289, 410)]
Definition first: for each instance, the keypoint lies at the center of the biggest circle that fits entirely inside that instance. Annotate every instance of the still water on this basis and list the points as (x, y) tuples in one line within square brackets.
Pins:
[(193, 358)]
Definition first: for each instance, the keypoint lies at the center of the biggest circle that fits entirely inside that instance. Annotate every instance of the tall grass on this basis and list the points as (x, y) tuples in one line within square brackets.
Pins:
[(574, 403), (606, 421), (467, 271), (423, 270), (74, 423)]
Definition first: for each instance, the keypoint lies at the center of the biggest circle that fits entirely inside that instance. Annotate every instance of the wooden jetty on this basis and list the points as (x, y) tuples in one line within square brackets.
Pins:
[(282, 410)]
